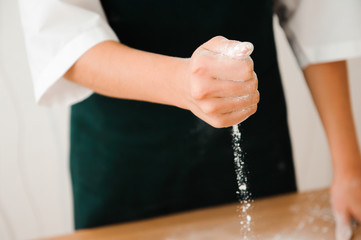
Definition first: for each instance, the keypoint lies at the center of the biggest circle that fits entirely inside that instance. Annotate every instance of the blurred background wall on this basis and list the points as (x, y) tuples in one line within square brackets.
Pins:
[(35, 195)]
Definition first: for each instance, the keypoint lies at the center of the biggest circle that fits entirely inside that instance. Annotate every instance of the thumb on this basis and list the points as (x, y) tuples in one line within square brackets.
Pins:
[(343, 226), (230, 48)]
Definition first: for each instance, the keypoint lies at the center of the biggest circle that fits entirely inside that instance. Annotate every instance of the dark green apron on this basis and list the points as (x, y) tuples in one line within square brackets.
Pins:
[(132, 160)]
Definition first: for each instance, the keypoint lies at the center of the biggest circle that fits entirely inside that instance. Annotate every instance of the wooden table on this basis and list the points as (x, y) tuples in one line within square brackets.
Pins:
[(294, 216)]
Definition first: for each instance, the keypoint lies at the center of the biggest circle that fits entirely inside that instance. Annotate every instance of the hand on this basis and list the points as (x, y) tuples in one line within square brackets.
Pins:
[(217, 83), (346, 199), (222, 86)]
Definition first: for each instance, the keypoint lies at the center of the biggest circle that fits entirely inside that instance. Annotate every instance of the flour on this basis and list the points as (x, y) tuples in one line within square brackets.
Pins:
[(315, 215), (239, 163), (241, 50), (244, 196)]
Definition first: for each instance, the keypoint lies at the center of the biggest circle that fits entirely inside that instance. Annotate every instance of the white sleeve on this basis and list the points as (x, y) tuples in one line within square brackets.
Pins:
[(57, 33), (321, 30)]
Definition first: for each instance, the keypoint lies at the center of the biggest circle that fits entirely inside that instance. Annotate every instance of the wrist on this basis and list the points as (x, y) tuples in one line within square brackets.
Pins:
[(346, 158), (178, 83), (348, 170)]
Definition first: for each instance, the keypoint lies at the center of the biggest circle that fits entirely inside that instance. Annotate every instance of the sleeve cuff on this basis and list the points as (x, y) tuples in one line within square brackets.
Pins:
[(314, 54), (322, 31), (52, 88)]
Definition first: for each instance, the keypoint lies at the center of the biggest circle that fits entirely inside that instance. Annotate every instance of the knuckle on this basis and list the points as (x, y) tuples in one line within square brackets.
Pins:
[(248, 112), (253, 109), (218, 38), (199, 71), (198, 93), (257, 96), (255, 78), (199, 66), (252, 86), (209, 109), (247, 66), (250, 63), (249, 73), (218, 122)]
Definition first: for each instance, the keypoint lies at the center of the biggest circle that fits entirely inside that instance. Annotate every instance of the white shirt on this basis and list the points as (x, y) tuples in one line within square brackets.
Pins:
[(58, 32)]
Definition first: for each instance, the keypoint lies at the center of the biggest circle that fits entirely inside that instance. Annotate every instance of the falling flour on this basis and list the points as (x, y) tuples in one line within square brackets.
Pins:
[(242, 191), (241, 51), (244, 196)]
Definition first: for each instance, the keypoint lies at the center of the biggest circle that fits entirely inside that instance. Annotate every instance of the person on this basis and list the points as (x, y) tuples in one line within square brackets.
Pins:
[(153, 95)]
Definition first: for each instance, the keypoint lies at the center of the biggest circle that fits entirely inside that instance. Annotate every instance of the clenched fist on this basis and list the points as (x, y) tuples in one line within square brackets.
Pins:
[(222, 84), (217, 83)]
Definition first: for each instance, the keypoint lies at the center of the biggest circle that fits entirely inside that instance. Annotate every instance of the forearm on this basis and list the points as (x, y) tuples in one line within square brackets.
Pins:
[(115, 70), (328, 84), (218, 88)]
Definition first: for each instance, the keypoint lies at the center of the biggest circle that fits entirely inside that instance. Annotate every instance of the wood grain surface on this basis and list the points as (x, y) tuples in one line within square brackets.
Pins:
[(287, 217)]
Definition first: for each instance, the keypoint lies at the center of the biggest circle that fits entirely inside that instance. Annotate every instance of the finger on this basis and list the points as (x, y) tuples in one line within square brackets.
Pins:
[(355, 206), (230, 88), (208, 64), (238, 116), (240, 103), (228, 105), (343, 229), (227, 47), (203, 88), (228, 119), (356, 212)]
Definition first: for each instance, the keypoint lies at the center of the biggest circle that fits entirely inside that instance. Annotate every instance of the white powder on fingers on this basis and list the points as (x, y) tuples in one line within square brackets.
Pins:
[(240, 50), (343, 229)]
